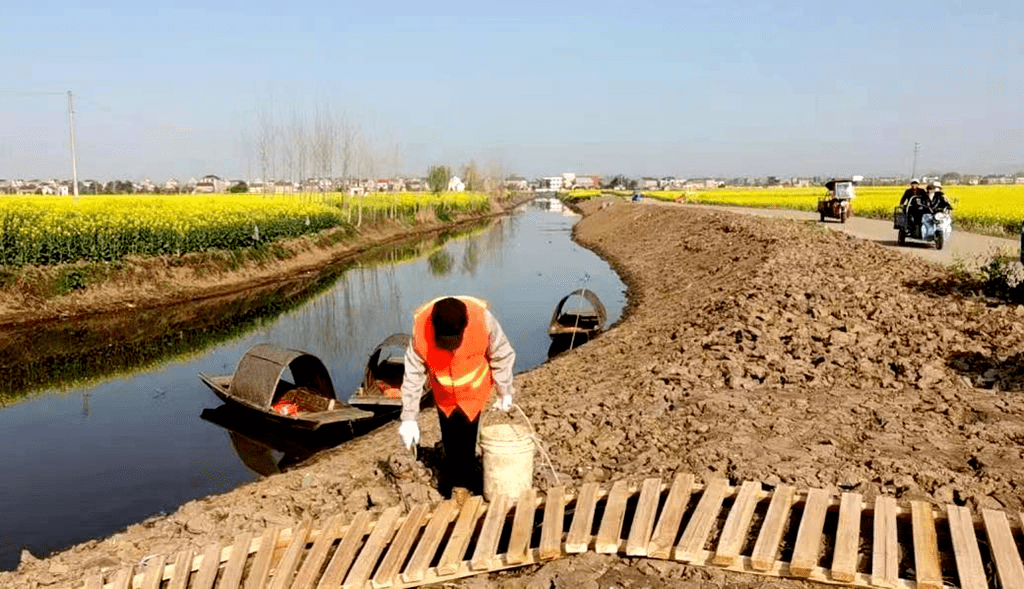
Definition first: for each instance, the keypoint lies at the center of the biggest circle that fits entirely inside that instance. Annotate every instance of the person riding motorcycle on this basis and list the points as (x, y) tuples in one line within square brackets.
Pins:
[(937, 198), (916, 201)]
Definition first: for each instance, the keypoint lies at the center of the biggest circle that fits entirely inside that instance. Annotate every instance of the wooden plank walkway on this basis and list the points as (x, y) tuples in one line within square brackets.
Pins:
[(828, 537)]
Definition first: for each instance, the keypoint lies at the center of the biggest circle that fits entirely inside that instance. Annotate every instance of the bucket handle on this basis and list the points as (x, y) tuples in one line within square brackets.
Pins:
[(532, 435)]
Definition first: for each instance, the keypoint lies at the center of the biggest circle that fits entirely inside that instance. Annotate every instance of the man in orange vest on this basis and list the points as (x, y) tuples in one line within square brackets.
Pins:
[(460, 349)]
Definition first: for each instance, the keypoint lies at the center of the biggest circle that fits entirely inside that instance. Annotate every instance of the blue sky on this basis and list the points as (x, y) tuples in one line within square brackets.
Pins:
[(641, 88)]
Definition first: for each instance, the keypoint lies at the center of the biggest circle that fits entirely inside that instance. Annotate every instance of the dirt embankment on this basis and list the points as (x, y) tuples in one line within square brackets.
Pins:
[(753, 349), (32, 296)]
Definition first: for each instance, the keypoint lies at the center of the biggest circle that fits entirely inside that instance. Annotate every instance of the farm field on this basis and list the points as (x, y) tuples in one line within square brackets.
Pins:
[(43, 230), (994, 208)]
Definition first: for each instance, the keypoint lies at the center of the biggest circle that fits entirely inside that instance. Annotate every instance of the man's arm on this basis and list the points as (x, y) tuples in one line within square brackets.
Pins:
[(501, 355), (412, 383)]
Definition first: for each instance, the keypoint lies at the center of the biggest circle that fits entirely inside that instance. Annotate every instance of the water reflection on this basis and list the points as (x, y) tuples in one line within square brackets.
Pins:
[(66, 353), (267, 447), (563, 343)]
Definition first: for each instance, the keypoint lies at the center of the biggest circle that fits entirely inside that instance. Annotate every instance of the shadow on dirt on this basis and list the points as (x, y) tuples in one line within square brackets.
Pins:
[(922, 245), (968, 287), (990, 372)]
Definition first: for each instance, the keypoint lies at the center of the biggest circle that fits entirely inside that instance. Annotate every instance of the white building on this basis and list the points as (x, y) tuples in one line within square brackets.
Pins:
[(552, 182), (455, 184)]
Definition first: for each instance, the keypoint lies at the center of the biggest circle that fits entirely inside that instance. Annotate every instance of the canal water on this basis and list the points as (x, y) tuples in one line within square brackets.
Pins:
[(144, 436)]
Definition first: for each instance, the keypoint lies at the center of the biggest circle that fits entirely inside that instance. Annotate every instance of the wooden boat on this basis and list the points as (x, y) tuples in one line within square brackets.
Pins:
[(382, 378), (584, 318), (258, 385)]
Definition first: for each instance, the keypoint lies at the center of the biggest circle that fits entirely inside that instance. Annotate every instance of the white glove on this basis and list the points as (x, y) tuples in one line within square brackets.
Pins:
[(410, 433), (503, 403)]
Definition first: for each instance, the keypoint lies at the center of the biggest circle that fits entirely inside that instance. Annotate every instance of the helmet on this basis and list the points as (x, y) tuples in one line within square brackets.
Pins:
[(937, 184), (915, 181)]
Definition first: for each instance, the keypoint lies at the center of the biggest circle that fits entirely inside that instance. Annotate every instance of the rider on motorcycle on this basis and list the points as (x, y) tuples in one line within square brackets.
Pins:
[(937, 198), (916, 200)]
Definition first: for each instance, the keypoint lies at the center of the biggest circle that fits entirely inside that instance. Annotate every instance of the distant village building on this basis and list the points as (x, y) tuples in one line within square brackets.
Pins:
[(584, 182), (455, 184), (516, 184), (552, 182), (210, 184)]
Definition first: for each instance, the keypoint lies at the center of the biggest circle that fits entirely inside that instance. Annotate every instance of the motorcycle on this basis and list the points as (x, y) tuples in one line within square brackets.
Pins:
[(933, 225)]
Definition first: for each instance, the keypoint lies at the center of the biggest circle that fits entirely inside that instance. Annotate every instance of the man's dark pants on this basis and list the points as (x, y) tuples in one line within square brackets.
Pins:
[(461, 467)]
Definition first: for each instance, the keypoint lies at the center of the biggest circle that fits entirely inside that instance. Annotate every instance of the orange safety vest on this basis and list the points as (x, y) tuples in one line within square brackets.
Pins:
[(461, 378)]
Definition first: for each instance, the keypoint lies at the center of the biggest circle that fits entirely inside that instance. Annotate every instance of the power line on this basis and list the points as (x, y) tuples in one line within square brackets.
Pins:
[(28, 93)]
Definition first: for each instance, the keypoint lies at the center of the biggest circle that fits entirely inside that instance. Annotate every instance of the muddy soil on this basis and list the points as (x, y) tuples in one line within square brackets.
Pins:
[(753, 348)]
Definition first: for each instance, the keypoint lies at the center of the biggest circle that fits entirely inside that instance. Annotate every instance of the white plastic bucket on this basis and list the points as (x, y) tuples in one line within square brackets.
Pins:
[(508, 460)]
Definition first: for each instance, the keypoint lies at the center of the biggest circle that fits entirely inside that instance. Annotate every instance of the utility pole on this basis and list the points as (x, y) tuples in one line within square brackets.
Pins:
[(917, 147), (74, 159)]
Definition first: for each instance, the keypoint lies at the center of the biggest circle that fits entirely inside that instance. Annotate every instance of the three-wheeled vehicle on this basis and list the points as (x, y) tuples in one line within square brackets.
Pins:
[(918, 220), (838, 203)]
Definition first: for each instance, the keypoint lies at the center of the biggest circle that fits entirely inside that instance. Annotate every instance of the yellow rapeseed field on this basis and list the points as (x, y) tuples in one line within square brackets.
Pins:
[(55, 229)]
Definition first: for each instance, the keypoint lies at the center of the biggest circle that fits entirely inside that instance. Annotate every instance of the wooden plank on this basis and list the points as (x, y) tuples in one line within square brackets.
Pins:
[(259, 573), (885, 555), (314, 561), (282, 576), (181, 569), (123, 578), (350, 544), (154, 575), (643, 518), (208, 566), (582, 520), (665, 531), (1004, 550), (808, 537), (552, 527), (484, 555), (232, 577), (427, 546), (522, 527), (610, 530), (400, 547), (382, 533), (844, 558), (458, 541), (702, 521), (734, 533), (926, 546), (766, 548), (969, 568)]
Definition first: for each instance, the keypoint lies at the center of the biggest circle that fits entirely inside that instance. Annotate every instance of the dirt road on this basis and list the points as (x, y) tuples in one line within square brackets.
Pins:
[(966, 248)]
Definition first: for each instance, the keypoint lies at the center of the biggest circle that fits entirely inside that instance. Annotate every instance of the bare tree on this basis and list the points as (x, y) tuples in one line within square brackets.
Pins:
[(298, 148), (324, 137), (265, 136)]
